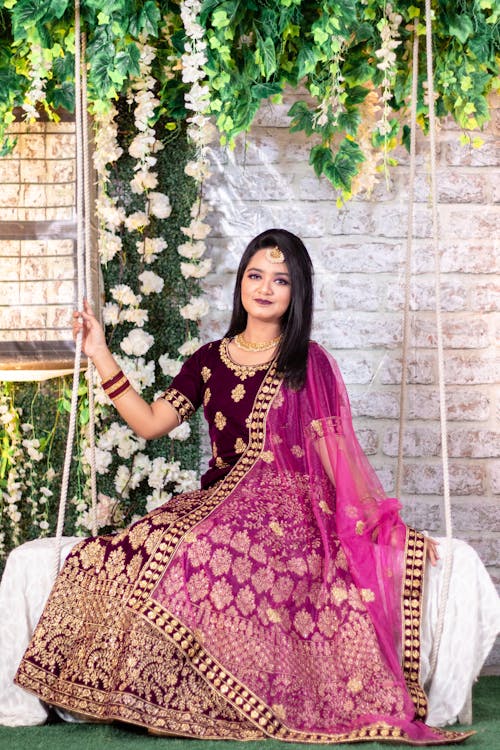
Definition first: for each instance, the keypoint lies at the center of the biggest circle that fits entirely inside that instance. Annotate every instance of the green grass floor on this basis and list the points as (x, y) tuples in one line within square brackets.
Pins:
[(61, 736)]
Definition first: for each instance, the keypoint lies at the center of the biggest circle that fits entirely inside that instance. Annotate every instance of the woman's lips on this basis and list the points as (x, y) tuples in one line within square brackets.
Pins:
[(263, 301)]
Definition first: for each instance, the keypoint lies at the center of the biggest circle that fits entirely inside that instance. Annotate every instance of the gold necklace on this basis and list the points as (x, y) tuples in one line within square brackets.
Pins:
[(255, 346)]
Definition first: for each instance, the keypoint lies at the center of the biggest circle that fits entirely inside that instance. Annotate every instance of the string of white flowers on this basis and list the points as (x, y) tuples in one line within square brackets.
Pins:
[(40, 66), (201, 133), (389, 32), (332, 105)]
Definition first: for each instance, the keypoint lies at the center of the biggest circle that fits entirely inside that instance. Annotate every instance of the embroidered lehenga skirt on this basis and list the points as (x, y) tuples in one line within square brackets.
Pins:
[(234, 612)]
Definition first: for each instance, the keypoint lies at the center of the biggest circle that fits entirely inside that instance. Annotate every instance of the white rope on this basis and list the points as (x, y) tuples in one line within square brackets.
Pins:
[(80, 293), (439, 326), (88, 286), (409, 249)]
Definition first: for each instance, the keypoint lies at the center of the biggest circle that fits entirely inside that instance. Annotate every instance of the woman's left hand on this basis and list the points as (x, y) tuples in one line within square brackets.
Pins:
[(431, 545)]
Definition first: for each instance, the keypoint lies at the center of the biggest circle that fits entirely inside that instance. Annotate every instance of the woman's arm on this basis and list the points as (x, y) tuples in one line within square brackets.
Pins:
[(147, 420)]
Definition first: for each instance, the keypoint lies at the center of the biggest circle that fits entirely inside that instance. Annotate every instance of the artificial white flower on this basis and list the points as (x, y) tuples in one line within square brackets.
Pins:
[(31, 448), (143, 180), (197, 98), (187, 481), (196, 271), (189, 347), (103, 459), (124, 295), (157, 499), (141, 145), (137, 342), (196, 308), (134, 315), (121, 480), (150, 247), (169, 366), (45, 491), (140, 469), (140, 373), (105, 513), (44, 525), (159, 205), (110, 314), (158, 473), (192, 250), (151, 283), (136, 221), (197, 230), (109, 245), (198, 170), (109, 214), (181, 432)]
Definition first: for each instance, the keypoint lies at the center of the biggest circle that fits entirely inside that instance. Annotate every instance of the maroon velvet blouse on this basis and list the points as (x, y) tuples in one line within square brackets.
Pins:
[(227, 391)]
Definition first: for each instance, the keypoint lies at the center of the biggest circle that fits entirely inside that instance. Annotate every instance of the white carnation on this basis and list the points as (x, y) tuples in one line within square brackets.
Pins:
[(124, 295), (103, 459), (157, 499), (197, 230), (109, 245), (150, 282), (140, 373), (150, 247), (159, 205), (192, 250), (137, 220), (134, 315), (143, 180), (110, 314), (158, 473), (141, 145), (137, 342), (187, 481), (122, 478), (196, 271), (196, 308), (181, 432), (169, 366), (189, 347)]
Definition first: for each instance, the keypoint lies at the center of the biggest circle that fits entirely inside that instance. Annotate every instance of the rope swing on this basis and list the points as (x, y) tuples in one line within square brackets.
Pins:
[(83, 271)]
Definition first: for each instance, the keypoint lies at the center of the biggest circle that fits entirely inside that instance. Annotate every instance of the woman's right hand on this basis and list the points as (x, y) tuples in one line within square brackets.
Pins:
[(93, 339)]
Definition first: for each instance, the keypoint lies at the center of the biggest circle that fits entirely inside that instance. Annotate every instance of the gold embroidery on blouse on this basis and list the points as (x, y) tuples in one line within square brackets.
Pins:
[(241, 371), (220, 420), (207, 396), (239, 445), (181, 404), (238, 392), (267, 456), (205, 374), (220, 463), (297, 451)]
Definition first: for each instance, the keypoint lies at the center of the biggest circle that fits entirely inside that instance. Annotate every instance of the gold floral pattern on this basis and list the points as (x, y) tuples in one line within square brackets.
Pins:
[(297, 451), (181, 404), (238, 392), (220, 420), (207, 396), (242, 371), (205, 373), (240, 445), (267, 456)]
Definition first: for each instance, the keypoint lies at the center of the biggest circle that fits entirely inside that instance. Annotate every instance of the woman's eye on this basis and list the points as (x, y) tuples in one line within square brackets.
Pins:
[(253, 276), (284, 282)]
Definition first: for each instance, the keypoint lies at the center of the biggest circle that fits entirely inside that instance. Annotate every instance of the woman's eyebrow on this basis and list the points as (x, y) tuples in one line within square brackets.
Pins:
[(276, 273)]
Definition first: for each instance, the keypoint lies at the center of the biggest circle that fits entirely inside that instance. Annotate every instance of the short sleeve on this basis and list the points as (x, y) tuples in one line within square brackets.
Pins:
[(185, 392)]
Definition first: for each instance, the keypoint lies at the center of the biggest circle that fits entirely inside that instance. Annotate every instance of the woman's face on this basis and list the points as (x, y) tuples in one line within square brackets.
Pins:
[(265, 288)]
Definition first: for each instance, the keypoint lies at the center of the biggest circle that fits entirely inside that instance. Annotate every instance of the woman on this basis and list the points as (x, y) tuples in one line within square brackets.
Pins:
[(268, 602)]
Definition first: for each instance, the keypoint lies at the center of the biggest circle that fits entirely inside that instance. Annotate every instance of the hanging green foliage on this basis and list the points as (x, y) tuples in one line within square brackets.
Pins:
[(341, 51)]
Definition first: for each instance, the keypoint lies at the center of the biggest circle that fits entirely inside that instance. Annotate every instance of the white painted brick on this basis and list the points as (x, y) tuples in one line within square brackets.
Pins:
[(472, 368), (386, 475), (475, 514), (466, 156), (376, 404), (417, 441), (421, 369), (368, 439), (346, 256), (486, 546), (259, 183), (344, 293), (356, 368), (494, 474), (423, 297), (392, 222), (468, 333), (469, 222), (358, 331), (427, 479), (423, 403), (470, 257), (471, 443), (485, 297), (452, 187), (267, 146)]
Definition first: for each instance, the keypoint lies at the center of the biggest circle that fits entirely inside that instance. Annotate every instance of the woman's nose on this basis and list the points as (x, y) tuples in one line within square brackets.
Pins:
[(265, 285)]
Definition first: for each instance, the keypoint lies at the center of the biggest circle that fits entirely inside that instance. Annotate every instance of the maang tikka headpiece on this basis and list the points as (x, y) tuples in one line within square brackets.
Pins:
[(275, 255)]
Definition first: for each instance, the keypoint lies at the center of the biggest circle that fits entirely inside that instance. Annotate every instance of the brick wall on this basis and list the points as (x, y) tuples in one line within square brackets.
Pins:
[(358, 252)]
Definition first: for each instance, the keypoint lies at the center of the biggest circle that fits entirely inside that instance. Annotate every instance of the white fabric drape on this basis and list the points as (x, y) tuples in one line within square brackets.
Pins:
[(471, 624)]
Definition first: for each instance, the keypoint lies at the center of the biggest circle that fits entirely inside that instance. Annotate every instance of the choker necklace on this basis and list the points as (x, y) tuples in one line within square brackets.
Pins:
[(259, 346)]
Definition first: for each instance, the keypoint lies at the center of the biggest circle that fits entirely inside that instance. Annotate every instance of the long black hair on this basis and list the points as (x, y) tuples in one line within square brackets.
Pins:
[(297, 320)]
